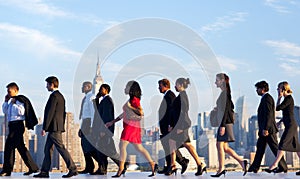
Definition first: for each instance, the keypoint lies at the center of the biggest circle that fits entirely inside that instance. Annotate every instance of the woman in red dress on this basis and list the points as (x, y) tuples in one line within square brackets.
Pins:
[(132, 115)]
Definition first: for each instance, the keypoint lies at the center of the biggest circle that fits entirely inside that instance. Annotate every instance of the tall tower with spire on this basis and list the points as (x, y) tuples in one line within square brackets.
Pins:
[(98, 80)]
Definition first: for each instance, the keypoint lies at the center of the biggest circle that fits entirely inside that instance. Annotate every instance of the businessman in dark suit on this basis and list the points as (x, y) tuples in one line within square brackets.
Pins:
[(54, 124), (16, 110), (267, 128), (105, 142), (164, 123)]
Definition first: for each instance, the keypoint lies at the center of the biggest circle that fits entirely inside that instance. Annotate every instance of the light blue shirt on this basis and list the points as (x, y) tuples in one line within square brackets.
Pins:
[(13, 111)]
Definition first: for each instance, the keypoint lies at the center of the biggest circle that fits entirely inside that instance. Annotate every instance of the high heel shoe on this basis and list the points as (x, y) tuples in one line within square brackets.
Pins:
[(245, 162), (171, 170), (200, 170), (219, 174), (154, 170), (119, 174), (274, 170)]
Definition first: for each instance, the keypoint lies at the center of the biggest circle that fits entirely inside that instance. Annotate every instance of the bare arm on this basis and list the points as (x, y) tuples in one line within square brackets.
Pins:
[(108, 124), (139, 111)]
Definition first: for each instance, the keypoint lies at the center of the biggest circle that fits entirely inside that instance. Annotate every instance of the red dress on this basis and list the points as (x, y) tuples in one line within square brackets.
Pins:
[(131, 123)]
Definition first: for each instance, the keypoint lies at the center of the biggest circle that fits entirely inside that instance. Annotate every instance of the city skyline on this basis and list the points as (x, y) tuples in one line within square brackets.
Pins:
[(249, 46)]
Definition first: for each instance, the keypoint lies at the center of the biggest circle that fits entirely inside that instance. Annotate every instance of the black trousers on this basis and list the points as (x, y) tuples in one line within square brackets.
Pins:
[(88, 146), (15, 140), (55, 139), (106, 147), (165, 143), (261, 145)]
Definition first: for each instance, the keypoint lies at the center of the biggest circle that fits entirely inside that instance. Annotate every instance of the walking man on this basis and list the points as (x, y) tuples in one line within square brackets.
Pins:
[(54, 124), (164, 123), (267, 128), (17, 108), (105, 142), (86, 116)]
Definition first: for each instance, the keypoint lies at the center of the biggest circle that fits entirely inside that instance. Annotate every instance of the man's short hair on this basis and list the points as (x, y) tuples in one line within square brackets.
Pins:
[(53, 80), (13, 85), (88, 83), (263, 85), (165, 82), (105, 86)]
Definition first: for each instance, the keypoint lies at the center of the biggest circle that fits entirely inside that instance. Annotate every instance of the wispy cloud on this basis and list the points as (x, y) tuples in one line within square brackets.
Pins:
[(230, 64), (289, 54), (284, 48), (290, 69), (225, 22), (37, 7), (33, 41), (281, 6), (41, 7)]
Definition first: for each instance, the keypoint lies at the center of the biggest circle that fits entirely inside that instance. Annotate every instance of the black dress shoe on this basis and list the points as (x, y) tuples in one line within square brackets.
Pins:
[(184, 165), (163, 171), (85, 171), (280, 170), (30, 172), (5, 173), (251, 169), (70, 174), (41, 175), (98, 172)]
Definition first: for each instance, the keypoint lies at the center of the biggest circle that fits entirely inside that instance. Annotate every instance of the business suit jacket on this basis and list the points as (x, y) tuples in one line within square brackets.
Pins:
[(266, 115), (266, 121), (105, 114), (55, 113), (164, 113), (180, 117), (30, 117)]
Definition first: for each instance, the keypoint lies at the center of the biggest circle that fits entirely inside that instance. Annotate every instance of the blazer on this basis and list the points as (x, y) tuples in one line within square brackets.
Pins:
[(30, 117), (164, 112), (55, 113), (266, 115), (105, 114), (225, 108), (180, 117)]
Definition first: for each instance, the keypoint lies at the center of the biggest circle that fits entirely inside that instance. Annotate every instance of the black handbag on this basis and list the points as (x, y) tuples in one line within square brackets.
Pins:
[(213, 117)]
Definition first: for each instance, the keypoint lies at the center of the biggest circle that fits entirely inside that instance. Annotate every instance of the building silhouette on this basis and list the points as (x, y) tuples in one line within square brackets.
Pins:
[(98, 80)]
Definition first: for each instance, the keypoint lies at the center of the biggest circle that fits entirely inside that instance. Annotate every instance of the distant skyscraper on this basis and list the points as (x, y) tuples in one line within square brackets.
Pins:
[(242, 121), (98, 80)]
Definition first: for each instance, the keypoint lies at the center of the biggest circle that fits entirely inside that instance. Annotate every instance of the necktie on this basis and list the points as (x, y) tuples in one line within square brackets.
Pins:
[(81, 108)]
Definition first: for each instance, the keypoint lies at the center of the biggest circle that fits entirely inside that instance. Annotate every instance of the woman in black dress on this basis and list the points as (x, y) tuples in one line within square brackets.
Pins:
[(179, 127), (225, 131), (289, 139)]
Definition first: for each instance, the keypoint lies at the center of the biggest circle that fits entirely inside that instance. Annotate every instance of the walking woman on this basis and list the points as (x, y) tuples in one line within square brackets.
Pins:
[(225, 134), (179, 127), (132, 115), (289, 139)]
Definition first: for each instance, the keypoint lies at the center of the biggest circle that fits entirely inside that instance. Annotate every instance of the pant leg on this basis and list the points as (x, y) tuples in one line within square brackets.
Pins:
[(179, 158), (48, 150), (9, 150), (20, 145), (113, 154), (56, 138), (86, 148), (273, 144), (165, 143), (260, 151)]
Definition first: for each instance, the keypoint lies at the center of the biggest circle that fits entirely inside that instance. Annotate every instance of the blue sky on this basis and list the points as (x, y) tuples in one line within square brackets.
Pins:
[(253, 40)]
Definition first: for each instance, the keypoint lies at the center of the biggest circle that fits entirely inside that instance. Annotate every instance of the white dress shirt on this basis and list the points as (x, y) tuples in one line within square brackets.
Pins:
[(88, 107), (13, 111)]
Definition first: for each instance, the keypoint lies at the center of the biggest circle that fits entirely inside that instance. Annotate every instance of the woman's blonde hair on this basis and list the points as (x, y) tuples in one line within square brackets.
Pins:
[(285, 86)]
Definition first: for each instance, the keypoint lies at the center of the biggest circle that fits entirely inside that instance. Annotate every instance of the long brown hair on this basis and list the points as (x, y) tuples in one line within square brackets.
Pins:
[(223, 76)]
